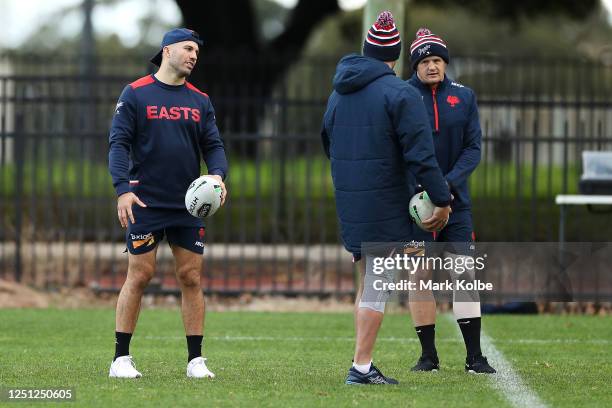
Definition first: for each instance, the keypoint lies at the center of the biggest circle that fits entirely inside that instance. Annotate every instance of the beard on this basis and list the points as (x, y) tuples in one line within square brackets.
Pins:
[(181, 70)]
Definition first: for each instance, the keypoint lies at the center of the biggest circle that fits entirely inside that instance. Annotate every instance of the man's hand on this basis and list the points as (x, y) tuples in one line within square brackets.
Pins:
[(224, 191), (124, 208), (438, 219)]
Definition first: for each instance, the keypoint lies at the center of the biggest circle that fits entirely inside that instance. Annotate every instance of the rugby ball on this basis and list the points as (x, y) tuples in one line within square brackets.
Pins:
[(203, 197), (421, 208)]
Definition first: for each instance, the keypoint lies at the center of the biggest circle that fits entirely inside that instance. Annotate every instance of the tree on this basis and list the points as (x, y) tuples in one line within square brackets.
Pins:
[(235, 59), (513, 10)]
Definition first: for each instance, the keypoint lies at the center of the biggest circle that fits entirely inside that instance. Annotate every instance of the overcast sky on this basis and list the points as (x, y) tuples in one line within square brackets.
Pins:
[(20, 18)]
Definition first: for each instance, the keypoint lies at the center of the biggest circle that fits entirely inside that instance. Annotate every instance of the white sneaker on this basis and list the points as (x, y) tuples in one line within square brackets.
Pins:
[(197, 369), (124, 367)]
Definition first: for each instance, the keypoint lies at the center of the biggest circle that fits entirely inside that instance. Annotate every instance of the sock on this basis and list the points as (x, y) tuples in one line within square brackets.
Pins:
[(122, 344), (427, 337), (194, 347), (363, 368), (470, 329)]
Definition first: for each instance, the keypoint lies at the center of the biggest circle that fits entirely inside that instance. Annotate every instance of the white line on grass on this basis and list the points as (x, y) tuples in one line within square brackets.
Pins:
[(384, 339), (506, 381)]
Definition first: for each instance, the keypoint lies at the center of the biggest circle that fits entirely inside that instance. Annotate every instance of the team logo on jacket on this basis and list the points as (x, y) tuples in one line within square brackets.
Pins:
[(173, 113), (452, 100)]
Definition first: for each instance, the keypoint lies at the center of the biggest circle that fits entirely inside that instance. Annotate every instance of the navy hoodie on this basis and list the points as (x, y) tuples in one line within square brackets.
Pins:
[(158, 135), (377, 135), (453, 115)]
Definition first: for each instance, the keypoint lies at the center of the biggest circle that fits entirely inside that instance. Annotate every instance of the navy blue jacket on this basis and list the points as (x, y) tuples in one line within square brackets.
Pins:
[(156, 138), (376, 133), (453, 115)]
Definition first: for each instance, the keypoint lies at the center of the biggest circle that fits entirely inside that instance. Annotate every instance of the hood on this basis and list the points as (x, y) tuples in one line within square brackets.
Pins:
[(355, 72)]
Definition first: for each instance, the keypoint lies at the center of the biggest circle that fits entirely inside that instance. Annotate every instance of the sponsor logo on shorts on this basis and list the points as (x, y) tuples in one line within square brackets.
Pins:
[(139, 240), (200, 242)]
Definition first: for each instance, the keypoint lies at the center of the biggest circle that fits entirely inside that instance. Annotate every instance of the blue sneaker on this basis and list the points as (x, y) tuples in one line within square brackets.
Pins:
[(374, 376)]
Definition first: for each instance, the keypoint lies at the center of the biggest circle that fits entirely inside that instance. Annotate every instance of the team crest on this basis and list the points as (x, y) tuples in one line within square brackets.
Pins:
[(452, 100)]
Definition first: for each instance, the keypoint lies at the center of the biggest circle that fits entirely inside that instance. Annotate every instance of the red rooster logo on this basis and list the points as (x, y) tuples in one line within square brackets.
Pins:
[(452, 100)]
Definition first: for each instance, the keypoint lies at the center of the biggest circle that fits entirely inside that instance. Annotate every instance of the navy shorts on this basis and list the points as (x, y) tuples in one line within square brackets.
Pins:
[(179, 227), (459, 230)]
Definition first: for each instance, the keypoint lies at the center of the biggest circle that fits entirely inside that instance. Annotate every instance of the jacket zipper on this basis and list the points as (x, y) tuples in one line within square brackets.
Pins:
[(435, 106)]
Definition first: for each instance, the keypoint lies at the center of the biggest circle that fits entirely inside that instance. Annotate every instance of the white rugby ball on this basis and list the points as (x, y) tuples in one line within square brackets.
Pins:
[(421, 208), (203, 197)]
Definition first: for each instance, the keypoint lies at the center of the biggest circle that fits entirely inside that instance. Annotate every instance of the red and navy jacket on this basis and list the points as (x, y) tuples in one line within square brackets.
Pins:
[(158, 135), (453, 115)]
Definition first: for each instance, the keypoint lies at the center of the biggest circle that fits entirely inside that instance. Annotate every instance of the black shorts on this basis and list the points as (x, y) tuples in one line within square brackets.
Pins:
[(152, 224)]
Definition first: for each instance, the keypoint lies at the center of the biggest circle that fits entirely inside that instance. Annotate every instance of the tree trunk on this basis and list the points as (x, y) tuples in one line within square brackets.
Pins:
[(235, 67)]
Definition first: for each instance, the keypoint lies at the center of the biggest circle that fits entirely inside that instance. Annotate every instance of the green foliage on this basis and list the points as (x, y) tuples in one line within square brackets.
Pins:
[(469, 33), (271, 18), (304, 178)]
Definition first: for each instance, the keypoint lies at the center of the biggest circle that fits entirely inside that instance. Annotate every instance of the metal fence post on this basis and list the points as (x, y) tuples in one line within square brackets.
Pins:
[(19, 178)]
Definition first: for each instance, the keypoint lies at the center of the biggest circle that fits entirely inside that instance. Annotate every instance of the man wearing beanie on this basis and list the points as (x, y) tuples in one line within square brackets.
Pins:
[(453, 116), (378, 138), (162, 127)]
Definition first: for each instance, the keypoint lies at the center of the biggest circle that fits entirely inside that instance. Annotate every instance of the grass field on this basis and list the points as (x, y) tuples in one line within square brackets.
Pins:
[(299, 359)]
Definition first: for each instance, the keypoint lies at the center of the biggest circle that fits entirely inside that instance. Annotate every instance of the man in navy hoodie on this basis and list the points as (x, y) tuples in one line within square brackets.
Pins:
[(378, 138), (453, 115), (161, 129)]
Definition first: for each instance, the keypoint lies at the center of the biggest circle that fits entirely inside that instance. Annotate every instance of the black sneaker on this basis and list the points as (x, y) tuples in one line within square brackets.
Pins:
[(427, 363), (374, 376), (478, 365)]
